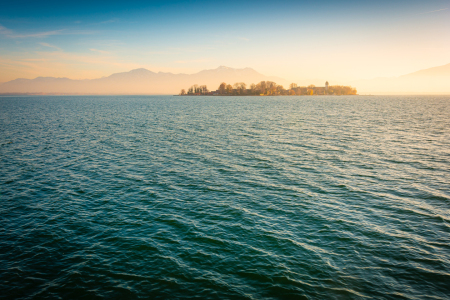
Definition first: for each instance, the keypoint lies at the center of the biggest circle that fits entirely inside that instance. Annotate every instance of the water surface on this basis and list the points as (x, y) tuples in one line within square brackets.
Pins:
[(225, 197)]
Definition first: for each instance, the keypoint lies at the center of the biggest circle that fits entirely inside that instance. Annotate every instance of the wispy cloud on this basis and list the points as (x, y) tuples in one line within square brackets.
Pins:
[(99, 51), (50, 46), (36, 35), (35, 59), (191, 49), (4, 30), (244, 39), (159, 52), (433, 11), (11, 34), (109, 21), (180, 50), (89, 59), (192, 61)]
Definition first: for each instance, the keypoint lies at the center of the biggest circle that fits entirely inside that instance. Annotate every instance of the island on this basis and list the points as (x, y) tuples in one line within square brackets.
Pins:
[(268, 88)]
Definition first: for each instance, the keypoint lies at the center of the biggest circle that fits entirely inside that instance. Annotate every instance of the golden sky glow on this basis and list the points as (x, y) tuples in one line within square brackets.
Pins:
[(341, 42)]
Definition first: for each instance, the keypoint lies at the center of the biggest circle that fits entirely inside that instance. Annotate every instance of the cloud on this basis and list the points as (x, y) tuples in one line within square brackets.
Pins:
[(244, 39), (159, 52), (100, 51), (191, 49), (192, 61), (88, 59), (109, 21), (180, 50), (11, 34), (36, 35), (50, 46), (35, 59), (4, 30), (433, 11)]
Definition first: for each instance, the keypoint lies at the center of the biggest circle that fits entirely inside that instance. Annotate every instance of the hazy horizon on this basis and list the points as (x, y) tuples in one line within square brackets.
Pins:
[(341, 41), (141, 81)]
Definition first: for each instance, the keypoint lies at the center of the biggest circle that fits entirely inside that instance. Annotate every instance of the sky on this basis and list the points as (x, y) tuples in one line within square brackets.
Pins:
[(339, 40)]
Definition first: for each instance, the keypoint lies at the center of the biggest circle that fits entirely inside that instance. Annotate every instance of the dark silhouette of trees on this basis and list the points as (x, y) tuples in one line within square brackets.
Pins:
[(240, 88), (204, 90), (222, 88), (229, 89), (261, 87), (196, 90), (280, 90), (270, 88)]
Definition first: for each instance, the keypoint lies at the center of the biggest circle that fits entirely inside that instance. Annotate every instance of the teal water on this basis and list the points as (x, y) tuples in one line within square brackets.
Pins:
[(153, 197)]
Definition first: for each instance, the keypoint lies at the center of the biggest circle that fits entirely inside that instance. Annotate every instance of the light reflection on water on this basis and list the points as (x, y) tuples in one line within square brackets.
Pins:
[(225, 197)]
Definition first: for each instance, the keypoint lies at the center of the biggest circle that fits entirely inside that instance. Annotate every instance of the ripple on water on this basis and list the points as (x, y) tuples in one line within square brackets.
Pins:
[(212, 197)]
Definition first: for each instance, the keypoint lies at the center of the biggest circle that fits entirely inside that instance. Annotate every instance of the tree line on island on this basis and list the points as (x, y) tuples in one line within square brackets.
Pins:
[(267, 88)]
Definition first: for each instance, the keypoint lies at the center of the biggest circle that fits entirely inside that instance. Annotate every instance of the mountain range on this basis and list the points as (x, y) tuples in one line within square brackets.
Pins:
[(430, 81), (142, 81), (138, 81)]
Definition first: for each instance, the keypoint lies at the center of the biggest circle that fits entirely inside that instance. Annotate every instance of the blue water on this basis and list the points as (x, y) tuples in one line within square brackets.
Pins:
[(225, 197)]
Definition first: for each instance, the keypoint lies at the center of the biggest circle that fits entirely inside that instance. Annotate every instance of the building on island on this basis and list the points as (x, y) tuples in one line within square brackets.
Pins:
[(270, 88)]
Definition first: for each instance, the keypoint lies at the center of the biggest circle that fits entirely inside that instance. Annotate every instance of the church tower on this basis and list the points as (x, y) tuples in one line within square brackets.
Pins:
[(326, 86)]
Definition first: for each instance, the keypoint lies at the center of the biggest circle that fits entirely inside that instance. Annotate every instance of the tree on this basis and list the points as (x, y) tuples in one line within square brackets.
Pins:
[(270, 84), (262, 87), (280, 90), (240, 87), (204, 90), (271, 88), (237, 87), (222, 88)]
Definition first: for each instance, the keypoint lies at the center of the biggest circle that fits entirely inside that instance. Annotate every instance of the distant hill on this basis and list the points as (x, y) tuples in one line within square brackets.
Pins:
[(428, 81), (138, 81), (441, 71), (142, 81)]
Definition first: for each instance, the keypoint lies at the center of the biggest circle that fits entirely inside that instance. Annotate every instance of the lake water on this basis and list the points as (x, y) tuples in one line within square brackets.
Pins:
[(225, 197)]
